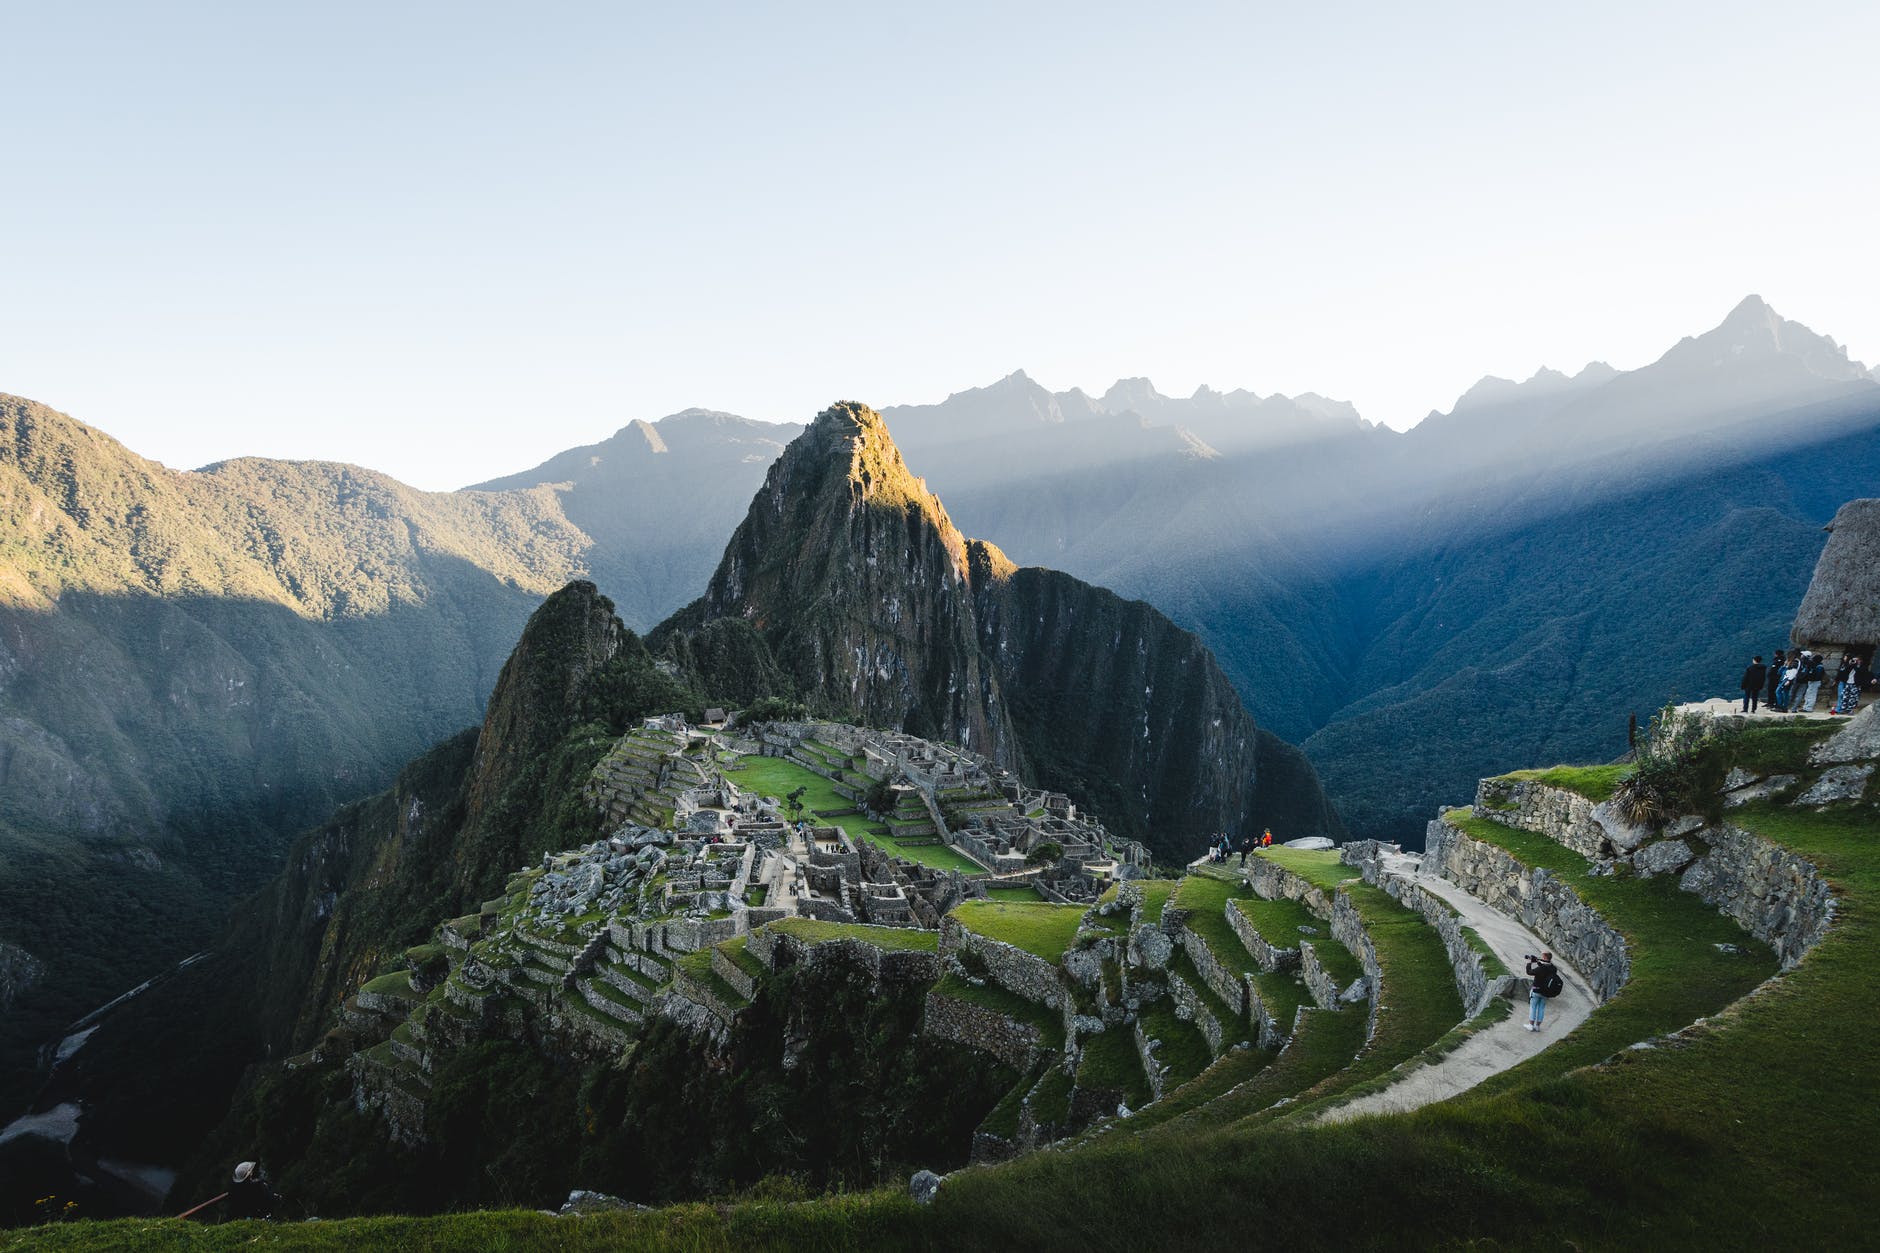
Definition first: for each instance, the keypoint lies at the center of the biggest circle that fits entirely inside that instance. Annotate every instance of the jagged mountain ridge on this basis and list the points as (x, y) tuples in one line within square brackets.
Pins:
[(877, 606)]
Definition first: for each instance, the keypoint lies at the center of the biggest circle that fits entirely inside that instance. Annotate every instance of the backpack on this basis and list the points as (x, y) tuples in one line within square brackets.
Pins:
[(1548, 983)]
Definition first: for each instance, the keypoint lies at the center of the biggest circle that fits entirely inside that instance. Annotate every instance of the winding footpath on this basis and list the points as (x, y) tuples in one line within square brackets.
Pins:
[(1496, 1048)]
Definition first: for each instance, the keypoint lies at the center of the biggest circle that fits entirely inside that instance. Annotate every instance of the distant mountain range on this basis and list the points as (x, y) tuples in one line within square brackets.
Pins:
[(194, 665)]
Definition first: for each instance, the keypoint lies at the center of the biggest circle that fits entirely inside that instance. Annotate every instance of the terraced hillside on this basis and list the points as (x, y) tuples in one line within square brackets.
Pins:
[(1198, 1047)]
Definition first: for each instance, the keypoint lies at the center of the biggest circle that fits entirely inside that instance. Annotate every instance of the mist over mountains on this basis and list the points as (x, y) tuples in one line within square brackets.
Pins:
[(193, 666)]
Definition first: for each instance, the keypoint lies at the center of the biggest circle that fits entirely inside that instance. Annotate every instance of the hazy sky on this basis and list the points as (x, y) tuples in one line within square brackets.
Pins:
[(447, 240)]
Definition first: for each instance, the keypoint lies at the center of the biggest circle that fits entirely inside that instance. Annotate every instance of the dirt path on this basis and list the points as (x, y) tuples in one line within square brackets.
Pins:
[(1491, 1051)]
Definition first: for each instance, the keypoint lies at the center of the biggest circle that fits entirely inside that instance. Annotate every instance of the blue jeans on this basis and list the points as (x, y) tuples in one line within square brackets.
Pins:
[(1537, 1007)]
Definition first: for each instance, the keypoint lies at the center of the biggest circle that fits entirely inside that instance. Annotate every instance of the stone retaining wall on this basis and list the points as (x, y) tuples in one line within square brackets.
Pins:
[(1775, 895), (1270, 956), (1538, 899), (1274, 882), (1592, 829), (1011, 967), (1015, 1043), (1191, 1005), (1224, 983)]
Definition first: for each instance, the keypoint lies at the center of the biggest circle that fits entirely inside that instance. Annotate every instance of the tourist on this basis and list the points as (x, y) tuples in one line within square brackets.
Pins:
[(1774, 680), (1847, 684), (1266, 841), (1813, 672), (1785, 690), (1752, 685), (249, 1195), (1545, 985)]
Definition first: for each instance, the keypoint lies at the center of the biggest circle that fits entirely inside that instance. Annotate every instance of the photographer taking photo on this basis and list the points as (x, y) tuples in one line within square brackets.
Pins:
[(1546, 985)]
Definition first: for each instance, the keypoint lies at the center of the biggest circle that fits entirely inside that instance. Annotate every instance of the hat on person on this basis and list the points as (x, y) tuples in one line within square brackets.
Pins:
[(244, 1172)]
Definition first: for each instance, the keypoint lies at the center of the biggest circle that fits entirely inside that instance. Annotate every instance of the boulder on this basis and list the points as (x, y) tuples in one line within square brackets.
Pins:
[(924, 1187), (1664, 857), (1837, 783), (1757, 791), (1738, 777), (1624, 836), (581, 1201), (1859, 740)]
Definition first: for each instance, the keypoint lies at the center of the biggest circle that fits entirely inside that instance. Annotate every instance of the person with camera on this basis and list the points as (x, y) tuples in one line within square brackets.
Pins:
[(1545, 985)]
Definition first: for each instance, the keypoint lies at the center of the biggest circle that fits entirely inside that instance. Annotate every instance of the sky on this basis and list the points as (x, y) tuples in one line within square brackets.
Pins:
[(449, 240)]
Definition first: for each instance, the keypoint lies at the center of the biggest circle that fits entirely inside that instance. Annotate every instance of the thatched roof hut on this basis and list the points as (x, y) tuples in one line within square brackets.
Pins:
[(1842, 607)]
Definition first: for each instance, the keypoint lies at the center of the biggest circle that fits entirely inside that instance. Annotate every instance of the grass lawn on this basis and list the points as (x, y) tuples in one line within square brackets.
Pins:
[(1184, 1050), (1595, 783), (1111, 1061), (1022, 893), (1041, 929), (888, 939), (1206, 899), (1319, 867), (1279, 922), (777, 777)]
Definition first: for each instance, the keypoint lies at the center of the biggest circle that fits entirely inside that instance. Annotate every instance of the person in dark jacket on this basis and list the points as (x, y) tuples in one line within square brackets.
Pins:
[(1753, 679), (1773, 681), (1542, 973), (1848, 679), (248, 1194)]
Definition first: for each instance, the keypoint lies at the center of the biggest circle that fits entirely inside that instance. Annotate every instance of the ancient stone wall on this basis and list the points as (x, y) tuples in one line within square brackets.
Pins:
[(1191, 1005), (1012, 968), (1594, 830), (1224, 983), (1013, 1042), (1773, 894), (1270, 956), (1538, 899), (1274, 882)]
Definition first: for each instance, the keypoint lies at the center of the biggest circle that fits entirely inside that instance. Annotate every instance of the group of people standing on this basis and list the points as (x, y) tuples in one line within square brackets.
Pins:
[(1792, 682), (1223, 847)]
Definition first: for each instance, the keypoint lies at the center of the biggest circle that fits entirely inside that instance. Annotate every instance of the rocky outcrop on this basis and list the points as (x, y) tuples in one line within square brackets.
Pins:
[(1590, 828), (19, 970)]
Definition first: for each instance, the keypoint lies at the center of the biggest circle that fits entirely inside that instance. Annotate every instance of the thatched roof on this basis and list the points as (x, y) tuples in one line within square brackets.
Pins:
[(1842, 606)]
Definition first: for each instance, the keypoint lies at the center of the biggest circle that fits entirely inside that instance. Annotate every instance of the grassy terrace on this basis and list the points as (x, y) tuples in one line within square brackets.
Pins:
[(991, 996), (1043, 930), (1678, 972), (1184, 1050), (888, 939), (1233, 1026), (1279, 922), (1595, 783), (777, 777), (397, 983), (698, 967), (738, 950), (1229, 1071), (1319, 867), (1022, 893), (1110, 1061), (1324, 1046), (1420, 1005)]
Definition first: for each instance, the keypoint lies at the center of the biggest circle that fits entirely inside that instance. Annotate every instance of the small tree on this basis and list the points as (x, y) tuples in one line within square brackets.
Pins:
[(1044, 854)]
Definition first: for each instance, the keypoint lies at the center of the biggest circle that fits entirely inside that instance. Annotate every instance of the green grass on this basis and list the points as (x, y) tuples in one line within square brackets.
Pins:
[(1278, 921), (1678, 973), (1206, 900), (1020, 894), (1319, 867), (776, 777), (1051, 1099), (1043, 930), (698, 967), (737, 949), (992, 997), (1110, 1061), (1003, 1120), (1420, 1004), (397, 983), (1595, 783), (1324, 1046), (1184, 1051), (1155, 894), (888, 939), (1337, 961), (1233, 1026), (1228, 1071)]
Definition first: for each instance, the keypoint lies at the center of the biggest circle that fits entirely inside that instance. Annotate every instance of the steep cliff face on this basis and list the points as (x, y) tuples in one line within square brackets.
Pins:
[(856, 578), (869, 596), (1116, 704)]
